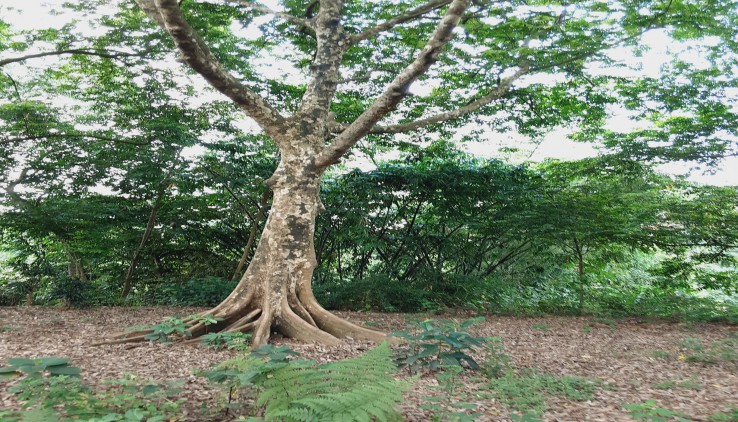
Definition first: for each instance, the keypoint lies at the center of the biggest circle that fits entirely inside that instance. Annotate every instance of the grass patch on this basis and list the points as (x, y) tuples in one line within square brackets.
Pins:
[(526, 394), (691, 383)]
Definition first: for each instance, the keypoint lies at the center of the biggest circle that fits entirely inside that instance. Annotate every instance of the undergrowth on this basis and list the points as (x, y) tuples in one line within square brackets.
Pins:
[(431, 344), (65, 398), (526, 394), (360, 389)]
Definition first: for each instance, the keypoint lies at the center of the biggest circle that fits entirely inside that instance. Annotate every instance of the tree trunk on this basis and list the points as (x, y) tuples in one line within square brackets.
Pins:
[(128, 281), (275, 292), (580, 273)]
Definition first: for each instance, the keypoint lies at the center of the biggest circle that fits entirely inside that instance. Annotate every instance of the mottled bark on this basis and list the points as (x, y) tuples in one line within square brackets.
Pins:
[(275, 291)]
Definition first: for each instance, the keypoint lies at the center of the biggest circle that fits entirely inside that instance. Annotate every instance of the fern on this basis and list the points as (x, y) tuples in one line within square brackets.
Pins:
[(358, 389)]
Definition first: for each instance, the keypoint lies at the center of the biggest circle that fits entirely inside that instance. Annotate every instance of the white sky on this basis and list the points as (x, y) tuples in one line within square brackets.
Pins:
[(32, 14)]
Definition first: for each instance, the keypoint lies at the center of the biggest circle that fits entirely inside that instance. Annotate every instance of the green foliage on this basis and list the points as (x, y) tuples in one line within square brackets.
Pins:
[(649, 410), (498, 363), (725, 350), (539, 326), (207, 291), (64, 398), (690, 383), (526, 394), (360, 388), (221, 340), (36, 367), (445, 405), (169, 326), (727, 416), (661, 354), (432, 344), (69, 291)]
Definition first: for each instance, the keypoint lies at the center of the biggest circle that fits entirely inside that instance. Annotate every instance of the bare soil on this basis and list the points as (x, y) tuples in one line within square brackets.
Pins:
[(630, 356)]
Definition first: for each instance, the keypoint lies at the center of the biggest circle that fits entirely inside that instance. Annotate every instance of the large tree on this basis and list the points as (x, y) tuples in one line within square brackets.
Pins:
[(472, 53), (342, 72)]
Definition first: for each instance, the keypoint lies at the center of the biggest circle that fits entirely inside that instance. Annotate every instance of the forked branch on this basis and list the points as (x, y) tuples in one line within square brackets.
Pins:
[(398, 20), (398, 88), (497, 93)]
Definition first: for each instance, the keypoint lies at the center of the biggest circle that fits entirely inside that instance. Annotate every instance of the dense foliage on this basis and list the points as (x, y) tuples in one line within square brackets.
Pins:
[(124, 181)]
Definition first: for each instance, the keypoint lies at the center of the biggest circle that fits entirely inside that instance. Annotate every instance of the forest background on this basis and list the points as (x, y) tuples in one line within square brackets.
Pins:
[(127, 181)]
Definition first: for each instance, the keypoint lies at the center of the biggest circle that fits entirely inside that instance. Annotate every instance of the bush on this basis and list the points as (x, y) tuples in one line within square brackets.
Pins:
[(68, 291), (13, 292), (374, 293), (208, 291)]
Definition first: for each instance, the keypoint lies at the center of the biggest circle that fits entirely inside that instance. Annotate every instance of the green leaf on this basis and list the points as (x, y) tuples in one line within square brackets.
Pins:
[(64, 370)]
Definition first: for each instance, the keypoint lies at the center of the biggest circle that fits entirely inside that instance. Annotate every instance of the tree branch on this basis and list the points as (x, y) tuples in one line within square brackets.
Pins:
[(397, 89), (105, 54), (197, 54), (497, 93), (397, 20), (324, 70), (7, 141), (302, 22)]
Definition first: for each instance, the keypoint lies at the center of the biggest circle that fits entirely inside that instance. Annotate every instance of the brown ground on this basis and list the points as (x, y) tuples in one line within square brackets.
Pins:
[(622, 356)]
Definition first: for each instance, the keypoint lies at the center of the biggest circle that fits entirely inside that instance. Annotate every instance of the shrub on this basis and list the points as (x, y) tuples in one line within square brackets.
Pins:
[(208, 291), (432, 344), (360, 388)]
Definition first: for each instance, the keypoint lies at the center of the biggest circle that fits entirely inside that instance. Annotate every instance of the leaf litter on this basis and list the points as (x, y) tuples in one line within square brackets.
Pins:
[(629, 357)]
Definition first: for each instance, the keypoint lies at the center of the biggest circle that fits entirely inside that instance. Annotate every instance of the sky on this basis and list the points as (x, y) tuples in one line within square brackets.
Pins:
[(31, 14)]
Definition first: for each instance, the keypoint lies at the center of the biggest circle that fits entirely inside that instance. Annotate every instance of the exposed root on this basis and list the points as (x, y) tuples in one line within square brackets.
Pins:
[(334, 325), (238, 324), (135, 339), (242, 328), (262, 329), (293, 326)]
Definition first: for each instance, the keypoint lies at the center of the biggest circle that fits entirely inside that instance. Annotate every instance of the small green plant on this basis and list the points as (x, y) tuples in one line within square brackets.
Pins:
[(603, 321), (498, 362), (720, 351), (433, 344), (241, 375), (233, 341), (539, 326), (6, 328), (526, 394), (525, 417), (360, 388), (65, 398), (36, 367), (163, 331), (444, 405), (649, 410), (690, 383), (661, 354), (727, 416)]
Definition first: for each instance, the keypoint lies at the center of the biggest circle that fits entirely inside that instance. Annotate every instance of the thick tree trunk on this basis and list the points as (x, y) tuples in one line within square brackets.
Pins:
[(275, 292)]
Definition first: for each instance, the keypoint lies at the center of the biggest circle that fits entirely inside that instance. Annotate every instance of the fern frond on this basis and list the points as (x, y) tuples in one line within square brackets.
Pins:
[(357, 389)]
